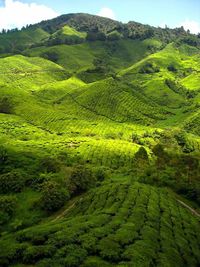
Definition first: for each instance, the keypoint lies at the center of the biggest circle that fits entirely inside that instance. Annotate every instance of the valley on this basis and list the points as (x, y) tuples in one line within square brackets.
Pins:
[(99, 145)]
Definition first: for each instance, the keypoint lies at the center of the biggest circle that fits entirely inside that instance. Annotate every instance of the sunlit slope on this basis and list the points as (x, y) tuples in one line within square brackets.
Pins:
[(68, 32), (119, 224), (41, 93), (167, 76), (117, 101), (29, 73), (55, 90)]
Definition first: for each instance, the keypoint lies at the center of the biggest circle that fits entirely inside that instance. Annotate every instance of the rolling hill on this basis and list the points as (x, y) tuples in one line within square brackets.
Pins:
[(99, 144)]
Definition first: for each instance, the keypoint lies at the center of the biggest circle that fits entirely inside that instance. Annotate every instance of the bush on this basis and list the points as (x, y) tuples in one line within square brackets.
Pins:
[(88, 242), (10, 252), (36, 182), (53, 196), (81, 180), (3, 157), (12, 182), (71, 255), (7, 208), (172, 68), (6, 105), (148, 68), (109, 249), (115, 35), (34, 253), (49, 164)]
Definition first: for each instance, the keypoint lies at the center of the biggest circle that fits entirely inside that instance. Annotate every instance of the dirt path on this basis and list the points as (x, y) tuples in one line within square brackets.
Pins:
[(64, 212), (194, 212)]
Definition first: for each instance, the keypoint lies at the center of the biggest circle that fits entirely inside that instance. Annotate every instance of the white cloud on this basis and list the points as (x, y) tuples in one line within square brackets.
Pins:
[(107, 13), (17, 14), (191, 25)]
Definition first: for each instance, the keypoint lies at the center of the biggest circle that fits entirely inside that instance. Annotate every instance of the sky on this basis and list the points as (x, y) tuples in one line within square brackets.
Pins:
[(173, 13)]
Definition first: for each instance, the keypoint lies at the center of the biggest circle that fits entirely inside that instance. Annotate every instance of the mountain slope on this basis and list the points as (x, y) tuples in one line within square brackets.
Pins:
[(118, 224), (99, 145)]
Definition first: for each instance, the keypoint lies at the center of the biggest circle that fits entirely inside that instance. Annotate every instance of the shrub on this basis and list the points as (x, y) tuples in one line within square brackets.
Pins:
[(10, 252), (12, 182), (88, 242), (148, 68), (81, 180), (49, 164), (71, 255), (109, 249), (7, 208), (3, 156), (53, 196), (115, 35), (97, 262), (6, 105), (172, 68), (34, 253), (36, 182)]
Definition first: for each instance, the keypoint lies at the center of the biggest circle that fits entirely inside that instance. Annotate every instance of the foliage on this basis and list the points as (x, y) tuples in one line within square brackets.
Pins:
[(118, 222), (149, 68), (12, 182), (53, 56), (72, 29), (6, 105), (53, 196), (7, 207), (49, 164), (101, 119), (81, 179)]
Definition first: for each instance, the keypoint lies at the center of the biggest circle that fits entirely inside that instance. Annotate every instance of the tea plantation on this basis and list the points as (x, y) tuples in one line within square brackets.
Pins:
[(99, 145)]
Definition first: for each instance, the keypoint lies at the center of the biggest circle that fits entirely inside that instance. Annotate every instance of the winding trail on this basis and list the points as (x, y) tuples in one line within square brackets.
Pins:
[(194, 212), (62, 214)]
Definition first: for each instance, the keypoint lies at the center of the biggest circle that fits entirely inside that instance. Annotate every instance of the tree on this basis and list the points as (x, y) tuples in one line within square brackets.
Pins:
[(81, 179), (161, 155), (49, 164), (113, 36), (12, 182), (53, 196), (7, 207)]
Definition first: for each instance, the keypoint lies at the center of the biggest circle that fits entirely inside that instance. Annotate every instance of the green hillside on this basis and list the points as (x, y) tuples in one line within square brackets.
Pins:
[(15, 41), (120, 224), (99, 145)]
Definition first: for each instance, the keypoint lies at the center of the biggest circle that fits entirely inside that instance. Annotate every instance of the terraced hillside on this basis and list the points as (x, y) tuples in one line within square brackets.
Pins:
[(119, 224), (99, 145)]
